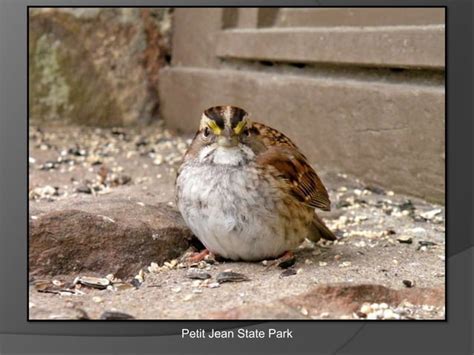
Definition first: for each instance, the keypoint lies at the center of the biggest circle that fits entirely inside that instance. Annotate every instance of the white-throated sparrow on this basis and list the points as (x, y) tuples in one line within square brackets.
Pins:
[(245, 189)]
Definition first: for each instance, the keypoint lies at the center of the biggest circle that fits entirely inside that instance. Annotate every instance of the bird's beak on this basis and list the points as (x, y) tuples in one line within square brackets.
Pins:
[(227, 142), (227, 139)]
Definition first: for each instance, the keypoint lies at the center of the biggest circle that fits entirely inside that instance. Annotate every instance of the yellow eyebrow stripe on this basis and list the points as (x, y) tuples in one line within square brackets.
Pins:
[(240, 126), (215, 128)]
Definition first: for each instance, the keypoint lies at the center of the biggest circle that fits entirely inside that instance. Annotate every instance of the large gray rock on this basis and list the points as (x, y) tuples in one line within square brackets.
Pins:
[(115, 236), (96, 66)]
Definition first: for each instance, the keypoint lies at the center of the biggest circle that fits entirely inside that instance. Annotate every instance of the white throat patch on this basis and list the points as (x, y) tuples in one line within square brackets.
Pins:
[(227, 156)]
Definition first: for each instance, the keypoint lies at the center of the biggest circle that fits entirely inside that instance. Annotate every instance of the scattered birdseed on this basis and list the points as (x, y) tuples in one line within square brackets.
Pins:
[(111, 315), (389, 314), (426, 243), (90, 281), (345, 264), (430, 214), (46, 192), (197, 275), (288, 272), (366, 308), (136, 282), (154, 268), (188, 297), (408, 283), (141, 276), (197, 283), (58, 283), (171, 264), (405, 239), (229, 276)]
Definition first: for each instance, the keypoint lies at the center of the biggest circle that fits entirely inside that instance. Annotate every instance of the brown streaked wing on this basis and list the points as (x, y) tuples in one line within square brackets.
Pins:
[(270, 136), (301, 178)]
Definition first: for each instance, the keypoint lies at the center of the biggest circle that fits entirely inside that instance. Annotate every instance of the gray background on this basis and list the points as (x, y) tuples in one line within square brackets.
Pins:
[(19, 336)]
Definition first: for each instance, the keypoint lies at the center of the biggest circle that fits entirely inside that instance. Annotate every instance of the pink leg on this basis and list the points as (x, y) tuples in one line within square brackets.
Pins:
[(198, 256), (284, 261)]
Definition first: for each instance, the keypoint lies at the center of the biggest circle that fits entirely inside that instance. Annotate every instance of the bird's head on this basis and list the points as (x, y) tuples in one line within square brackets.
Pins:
[(226, 126)]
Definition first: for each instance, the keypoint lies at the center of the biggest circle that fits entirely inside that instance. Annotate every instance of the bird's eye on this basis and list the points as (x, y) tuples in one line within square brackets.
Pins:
[(206, 132), (247, 132)]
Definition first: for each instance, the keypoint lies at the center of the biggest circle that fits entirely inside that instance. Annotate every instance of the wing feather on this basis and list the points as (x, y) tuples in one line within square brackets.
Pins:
[(292, 167)]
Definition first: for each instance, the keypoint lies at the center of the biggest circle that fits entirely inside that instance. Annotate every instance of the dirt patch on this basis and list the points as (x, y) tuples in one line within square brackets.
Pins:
[(388, 263)]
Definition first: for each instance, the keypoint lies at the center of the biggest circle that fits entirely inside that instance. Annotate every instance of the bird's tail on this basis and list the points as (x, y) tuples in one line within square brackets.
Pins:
[(320, 230)]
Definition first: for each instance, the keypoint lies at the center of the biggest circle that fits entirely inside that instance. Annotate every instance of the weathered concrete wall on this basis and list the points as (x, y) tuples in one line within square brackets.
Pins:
[(364, 100), (96, 66)]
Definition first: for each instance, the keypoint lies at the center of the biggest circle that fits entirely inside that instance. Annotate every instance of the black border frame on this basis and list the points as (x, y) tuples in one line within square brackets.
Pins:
[(452, 336)]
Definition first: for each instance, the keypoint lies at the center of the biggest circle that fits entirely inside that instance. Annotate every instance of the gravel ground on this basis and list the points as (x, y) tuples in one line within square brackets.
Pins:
[(385, 238)]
